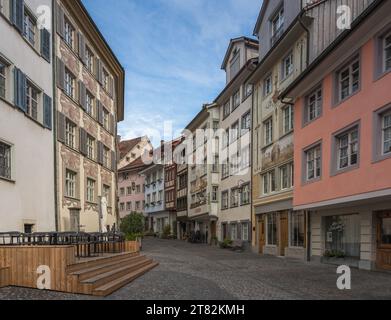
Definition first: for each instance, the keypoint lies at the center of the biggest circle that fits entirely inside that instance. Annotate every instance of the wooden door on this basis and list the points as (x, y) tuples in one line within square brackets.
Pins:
[(261, 234), (284, 233), (383, 254)]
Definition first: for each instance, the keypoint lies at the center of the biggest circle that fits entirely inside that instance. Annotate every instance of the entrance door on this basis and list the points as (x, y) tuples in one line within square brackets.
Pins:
[(383, 256), (284, 234), (262, 234), (74, 220)]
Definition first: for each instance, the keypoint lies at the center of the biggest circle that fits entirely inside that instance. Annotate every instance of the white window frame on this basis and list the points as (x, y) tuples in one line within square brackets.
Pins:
[(70, 183), (294, 221), (268, 131), (235, 132), (236, 100), (287, 119), (106, 119), (314, 157), (90, 104), (314, 104), (246, 123), (286, 172), (91, 190), (106, 156), (268, 86), (271, 222), (224, 200), (287, 66), (69, 83), (3, 79), (32, 100), (234, 232), (277, 25), (351, 147), (387, 50), (70, 133), (227, 109), (352, 78), (89, 60), (69, 33), (29, 27), (90, 147), (7, 159), (245, 233), (384, 130)]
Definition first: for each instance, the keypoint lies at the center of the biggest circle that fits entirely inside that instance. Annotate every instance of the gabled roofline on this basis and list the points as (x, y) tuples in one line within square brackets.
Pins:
[(248, 41), (260, 17)]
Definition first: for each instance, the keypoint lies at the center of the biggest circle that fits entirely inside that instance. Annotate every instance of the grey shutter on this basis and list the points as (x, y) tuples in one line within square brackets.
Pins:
[(60, 19), (111, 87), (60, 74), (17, 14), (239, 231), (229, 232), (113, 161), (99, 108), (100, 152), (99, 70), (83, 142), (60, 127), (45, 44), (82, 95), (47, 111), (20, 90), (250, 232), (82, 48), (112, 124)]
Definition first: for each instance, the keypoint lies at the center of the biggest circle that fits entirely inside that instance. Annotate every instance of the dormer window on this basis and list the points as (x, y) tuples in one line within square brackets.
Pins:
[(277, 26), (235, 63)]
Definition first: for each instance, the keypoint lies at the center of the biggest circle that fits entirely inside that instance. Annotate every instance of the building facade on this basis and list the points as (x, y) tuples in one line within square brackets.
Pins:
[(282, 58), (342, 143), (26, 118), (131, 150), (89, 101), (183, 224), (235, 106)]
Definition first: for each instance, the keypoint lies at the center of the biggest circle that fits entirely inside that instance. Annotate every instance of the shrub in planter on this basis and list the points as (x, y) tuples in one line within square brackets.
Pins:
[(225, 244), (133, 224), (166, 232)]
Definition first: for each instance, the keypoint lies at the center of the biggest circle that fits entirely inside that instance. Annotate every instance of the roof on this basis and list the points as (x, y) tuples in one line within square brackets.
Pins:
[(249, 41), (260, 17), (136, 165), (126, 146)]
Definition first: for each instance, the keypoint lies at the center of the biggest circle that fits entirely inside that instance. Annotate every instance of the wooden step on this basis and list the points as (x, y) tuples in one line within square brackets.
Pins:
[(90, 272), (103, 278), (4, 277), (99, 261), (116, 284)]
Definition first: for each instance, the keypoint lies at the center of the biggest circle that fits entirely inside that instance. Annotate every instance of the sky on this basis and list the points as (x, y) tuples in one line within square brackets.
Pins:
[(172, 51)]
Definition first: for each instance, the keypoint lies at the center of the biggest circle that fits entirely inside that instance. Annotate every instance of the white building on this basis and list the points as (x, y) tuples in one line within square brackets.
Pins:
[(26, 118)]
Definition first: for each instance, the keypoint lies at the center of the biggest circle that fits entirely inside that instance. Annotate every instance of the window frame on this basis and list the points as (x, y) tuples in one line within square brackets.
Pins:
[(317, 93), (91, 190), (8, 160), (71, 184), (69, 33), (284, 74), (90, 104), (70, 135), (91, 148), (271, 223), (69, 84), (267, 92), (4, 79), (236, 100), (32, 104), (347, 66), (386, 47), (225, 200), (305, 176), (30, 28), (384, 128), (290, 119), (268, 133), (227, 109), (277, 29), (295, 222)]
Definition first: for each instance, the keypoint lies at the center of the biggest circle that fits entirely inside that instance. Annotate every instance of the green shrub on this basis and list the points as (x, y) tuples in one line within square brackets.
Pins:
[(134, 236), (166, 232), (132, 224), (225, 244)]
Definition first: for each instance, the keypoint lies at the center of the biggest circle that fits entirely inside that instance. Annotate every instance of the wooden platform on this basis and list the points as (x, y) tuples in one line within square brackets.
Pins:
[(94, 276)]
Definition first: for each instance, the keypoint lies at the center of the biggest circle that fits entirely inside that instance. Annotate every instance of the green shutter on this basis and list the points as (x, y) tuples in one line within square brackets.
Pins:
[(45, 44), (20, 90), (17, 14), (59, 19), (47, 111)]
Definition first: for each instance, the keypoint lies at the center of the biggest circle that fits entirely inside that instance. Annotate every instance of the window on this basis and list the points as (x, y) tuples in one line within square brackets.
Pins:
[(297, 223), (70, 184), (29, 27), (236, 100), (122, 191), (287, 118), (70, 134), (129, 206), (106, 119), (106, 156), (246, 123), (286, 176), (69, 34), (234, 232), (106, 193), (313, 105), (137, 205), (3, 81), (90, 190), (29, 228), (216, 126), (32, 100), (215, 191), (248, 90), (387, 52), (225, 169), (129, 191), (5, 161), (348, 149), (268, 131), (234, 198), (386, 133), (90, 104), (226, 109), (235, 164), (234, 132), (226, 138), (287, 66), (138, 189), (269, 182), (69, 84), (235, 64), (245, 195), (277, 26), (122, 206), (267, 86), (106, 80), (245, 232), (349, 79), (313, 166), (245, 157), (272, 229), (89, 60), (215, 166), (224, 200), (90, 147)]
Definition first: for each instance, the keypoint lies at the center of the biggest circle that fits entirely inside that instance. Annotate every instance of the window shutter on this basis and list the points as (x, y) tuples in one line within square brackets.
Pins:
[(83, 142), (82, 48), (47, 111), (99, 108), (20, 90), (239, 231), (111, 87), (60, 19), (229, 232), (82, 95), (60, 74), (250, 232), (60, 127), (99, 70), (112, 124), (113, 161), (45, 44), (17, 13), (100, 153)]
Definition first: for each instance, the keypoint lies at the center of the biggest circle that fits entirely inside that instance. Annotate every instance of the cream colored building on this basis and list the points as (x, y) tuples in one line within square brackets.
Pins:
[(235, 104), (26, 123), (89, 100)]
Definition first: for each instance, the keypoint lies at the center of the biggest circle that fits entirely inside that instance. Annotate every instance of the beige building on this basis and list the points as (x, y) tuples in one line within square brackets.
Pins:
[(26, 136), (235, 104), (89, 101), (278, 230)]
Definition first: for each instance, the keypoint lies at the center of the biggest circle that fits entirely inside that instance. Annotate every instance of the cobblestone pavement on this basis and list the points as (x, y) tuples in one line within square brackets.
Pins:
[(199, 272)]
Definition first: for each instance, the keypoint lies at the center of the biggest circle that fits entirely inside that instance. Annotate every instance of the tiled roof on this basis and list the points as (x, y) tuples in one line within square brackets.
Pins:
[(126, 146), (136, 165)]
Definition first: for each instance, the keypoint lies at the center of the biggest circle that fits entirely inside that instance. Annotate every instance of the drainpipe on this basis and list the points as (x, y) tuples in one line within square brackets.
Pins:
[(308, 214)]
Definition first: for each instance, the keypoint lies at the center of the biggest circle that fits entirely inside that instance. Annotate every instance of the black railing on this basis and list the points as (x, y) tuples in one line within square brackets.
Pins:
[(87, 244)]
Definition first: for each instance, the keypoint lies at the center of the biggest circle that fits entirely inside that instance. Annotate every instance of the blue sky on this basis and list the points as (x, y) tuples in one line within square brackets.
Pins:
[(172, 52)]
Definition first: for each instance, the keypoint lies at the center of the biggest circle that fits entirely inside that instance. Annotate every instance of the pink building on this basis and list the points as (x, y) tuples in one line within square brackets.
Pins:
[(343, 146), (131, 188)]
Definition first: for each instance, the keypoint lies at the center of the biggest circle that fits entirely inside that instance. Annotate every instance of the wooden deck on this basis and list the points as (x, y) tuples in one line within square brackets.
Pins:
[(93, 276)]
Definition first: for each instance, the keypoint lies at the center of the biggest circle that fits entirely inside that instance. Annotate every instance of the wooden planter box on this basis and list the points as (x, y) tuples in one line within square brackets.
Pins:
[(132, 246)]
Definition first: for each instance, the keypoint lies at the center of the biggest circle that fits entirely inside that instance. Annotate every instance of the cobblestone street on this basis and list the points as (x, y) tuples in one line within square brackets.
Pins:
[(197, 272)]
